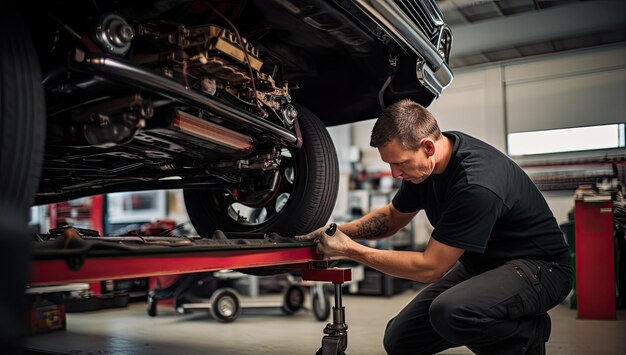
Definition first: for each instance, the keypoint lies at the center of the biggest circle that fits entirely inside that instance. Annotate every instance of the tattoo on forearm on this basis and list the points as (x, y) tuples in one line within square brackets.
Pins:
[(374, 227)]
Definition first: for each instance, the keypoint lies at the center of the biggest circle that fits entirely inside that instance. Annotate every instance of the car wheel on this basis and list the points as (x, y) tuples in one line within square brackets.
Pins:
[(22, 115), (303, 200), (225, 305), (22, 128)]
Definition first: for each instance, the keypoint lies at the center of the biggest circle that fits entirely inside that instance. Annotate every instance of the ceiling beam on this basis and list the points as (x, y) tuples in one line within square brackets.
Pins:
[(539, 26)]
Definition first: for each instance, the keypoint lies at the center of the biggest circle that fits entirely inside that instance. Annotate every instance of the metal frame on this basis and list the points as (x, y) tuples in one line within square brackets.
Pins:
[(66, 270)]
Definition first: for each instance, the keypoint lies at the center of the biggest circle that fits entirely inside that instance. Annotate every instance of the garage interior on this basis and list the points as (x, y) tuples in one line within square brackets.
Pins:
[(522, 68)]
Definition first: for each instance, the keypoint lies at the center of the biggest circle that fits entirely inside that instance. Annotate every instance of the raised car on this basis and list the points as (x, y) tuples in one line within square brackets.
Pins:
[(228, 100)]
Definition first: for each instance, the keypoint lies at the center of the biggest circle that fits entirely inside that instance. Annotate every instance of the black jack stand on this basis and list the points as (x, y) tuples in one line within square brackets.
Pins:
[(335, 341)]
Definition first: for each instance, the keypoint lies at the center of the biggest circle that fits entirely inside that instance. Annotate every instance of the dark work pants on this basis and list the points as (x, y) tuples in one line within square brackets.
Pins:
[(495, 312)]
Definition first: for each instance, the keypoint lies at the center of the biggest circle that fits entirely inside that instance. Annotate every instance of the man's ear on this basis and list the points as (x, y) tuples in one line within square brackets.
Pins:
[(429, 146)]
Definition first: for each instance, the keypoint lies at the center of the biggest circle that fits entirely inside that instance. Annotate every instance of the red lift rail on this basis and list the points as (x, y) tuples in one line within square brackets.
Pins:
[(134, 266), (80, 255), (71, 258)]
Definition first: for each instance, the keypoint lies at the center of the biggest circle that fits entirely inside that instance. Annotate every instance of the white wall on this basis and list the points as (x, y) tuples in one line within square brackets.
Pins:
[(581, 88), (361, 133), (560, 203), (474, 105), (341, 139)]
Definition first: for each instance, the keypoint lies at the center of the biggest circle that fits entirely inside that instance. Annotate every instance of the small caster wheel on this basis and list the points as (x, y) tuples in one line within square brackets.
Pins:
[(225, 305), (320, 303), (293, 299), (339, 352), (152, 307)]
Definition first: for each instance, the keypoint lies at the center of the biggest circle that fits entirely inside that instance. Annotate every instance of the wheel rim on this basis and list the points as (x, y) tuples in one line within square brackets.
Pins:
[(255, 214), (226, 306)]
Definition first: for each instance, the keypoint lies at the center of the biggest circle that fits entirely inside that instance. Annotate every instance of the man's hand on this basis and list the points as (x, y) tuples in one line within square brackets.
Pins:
[(338, 244), (312, 236)]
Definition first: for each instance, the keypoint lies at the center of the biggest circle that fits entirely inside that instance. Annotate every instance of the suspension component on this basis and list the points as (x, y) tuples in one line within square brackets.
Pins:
[(289, 114), (114, 34)]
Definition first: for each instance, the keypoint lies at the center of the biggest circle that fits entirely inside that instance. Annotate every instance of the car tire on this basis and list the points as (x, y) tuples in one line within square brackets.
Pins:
[(312, 193), (22, 115), (22, 128)]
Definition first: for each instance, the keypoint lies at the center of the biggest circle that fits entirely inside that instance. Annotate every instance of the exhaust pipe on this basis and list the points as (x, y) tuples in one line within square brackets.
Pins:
[(211, 132), (140, 77)]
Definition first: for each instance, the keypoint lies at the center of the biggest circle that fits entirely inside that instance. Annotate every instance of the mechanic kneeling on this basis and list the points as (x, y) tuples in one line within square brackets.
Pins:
[(496, 260)]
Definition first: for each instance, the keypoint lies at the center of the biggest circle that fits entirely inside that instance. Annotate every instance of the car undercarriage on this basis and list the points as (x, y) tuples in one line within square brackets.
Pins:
[(228, 100)]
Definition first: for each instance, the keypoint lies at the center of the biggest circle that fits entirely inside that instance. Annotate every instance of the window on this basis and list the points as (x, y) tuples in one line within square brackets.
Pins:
[(566, 140)]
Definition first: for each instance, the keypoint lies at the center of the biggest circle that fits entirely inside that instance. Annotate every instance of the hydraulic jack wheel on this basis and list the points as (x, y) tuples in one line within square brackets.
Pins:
[(335, 341)]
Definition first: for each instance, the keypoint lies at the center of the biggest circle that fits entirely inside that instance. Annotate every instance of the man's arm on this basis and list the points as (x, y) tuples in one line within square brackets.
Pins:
[(378, 224), (428, 266)]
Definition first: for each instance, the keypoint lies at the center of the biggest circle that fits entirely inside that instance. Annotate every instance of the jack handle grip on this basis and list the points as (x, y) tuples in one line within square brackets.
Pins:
[(331, 229)]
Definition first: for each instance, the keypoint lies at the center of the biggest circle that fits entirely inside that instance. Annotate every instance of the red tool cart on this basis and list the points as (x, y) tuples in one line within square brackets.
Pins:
[(595, 263), (84, 212)]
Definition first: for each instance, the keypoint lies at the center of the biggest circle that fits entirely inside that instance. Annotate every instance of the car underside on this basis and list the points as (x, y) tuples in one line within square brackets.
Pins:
[(226, 99)]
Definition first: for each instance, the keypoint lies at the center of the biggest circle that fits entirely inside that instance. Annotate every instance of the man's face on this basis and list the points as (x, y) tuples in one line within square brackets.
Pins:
[(411, 165)]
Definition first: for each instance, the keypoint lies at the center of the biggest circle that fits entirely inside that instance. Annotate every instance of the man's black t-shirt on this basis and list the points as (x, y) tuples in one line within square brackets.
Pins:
[(485, 204)]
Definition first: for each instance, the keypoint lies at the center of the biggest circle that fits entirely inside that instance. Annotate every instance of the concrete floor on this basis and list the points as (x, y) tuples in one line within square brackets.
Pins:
[(258, 332)]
